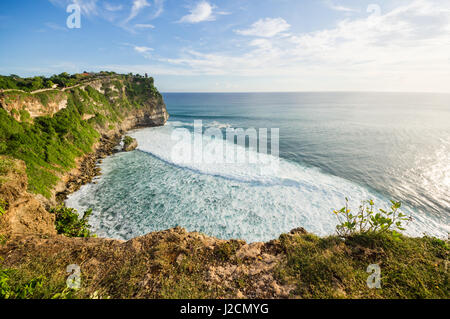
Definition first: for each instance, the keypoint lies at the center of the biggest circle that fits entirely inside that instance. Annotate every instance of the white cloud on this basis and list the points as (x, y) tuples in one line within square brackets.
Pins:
[(55, 26), (337, 7), (88, 7), (144, 26), (113, 8), (138, 5), (263, 44), (405, 49), (266, 28), (142, 49), (203, 11), (159, 5), (115, 12), (342, 8)]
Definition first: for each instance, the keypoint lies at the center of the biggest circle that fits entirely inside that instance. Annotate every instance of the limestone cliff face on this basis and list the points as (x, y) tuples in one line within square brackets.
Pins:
[(151, 112), (38, 104), (109, 105), (24, 212)]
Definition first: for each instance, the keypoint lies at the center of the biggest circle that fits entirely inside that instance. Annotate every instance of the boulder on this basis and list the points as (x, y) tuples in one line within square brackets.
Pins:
[(129, 144)]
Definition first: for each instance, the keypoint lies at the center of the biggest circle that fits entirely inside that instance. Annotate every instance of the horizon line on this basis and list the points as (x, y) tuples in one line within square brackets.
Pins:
[(318, 91)]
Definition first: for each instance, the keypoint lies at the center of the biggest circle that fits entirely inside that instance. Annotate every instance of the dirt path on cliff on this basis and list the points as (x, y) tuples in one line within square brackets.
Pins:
[(57, 88)]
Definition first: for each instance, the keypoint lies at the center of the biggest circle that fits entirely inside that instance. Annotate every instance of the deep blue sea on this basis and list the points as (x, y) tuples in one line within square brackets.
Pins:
[(378, 146)]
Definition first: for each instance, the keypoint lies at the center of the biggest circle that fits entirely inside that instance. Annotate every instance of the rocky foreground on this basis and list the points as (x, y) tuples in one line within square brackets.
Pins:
[(173, 263), (178, 264)]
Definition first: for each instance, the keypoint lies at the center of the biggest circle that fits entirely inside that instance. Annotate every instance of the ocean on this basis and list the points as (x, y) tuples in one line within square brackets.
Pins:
[(332, 146)]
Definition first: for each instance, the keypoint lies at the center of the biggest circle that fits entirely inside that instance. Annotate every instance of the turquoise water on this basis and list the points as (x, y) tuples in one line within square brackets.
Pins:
[(332, 145)]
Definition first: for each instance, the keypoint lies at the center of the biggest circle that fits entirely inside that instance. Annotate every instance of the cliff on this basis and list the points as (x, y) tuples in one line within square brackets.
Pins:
[(178, 264), (50, 141), (55, 137), (52, 130)]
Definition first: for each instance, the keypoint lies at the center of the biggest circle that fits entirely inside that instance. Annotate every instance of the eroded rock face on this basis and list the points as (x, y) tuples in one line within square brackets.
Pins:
[(47, 102), (154, 113), (25, 214), (16, 103), (130, 144)]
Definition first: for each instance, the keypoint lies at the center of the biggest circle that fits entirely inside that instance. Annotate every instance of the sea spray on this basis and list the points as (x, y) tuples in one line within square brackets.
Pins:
[(146, 191)]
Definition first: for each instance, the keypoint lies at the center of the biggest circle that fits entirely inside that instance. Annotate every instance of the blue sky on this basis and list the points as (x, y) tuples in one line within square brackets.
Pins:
[(237, 45)]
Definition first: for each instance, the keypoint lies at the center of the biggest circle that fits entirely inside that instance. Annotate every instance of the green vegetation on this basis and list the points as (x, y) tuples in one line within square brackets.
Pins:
[(47, 96), (6, 163), (8, 166), (225, 251), (39, 82), (49, 145), (138, 86), (173, 265), (366, 221), (23, 291), (68, 222), (22, 284), (3, 206), (27, 84), (125, 273), (127, 140), (335, 268)]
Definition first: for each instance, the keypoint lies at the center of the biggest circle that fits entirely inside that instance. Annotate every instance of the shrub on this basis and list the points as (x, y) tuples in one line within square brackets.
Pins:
[(3, 206), (9, 291), (69, 224), (127, 140), (13, 285), (331, 267), (367, 221), (226, 250)]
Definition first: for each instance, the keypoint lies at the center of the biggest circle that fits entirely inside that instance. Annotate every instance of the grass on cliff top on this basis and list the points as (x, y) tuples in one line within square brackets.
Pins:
[(333, 268), (314, 267), (153, 273)]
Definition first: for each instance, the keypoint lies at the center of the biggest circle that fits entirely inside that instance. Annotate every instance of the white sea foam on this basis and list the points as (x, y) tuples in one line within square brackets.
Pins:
[(294, 190), (138, 193)]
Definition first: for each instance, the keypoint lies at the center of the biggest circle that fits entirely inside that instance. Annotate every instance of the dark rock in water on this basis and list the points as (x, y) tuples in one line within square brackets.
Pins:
[(129, 144)]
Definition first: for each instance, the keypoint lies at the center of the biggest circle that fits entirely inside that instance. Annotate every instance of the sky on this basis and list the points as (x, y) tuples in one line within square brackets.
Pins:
[(237, 45)]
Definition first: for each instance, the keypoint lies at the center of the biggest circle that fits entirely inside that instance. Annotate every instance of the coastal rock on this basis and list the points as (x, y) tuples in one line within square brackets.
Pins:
[(129, 144), (24, 212)]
